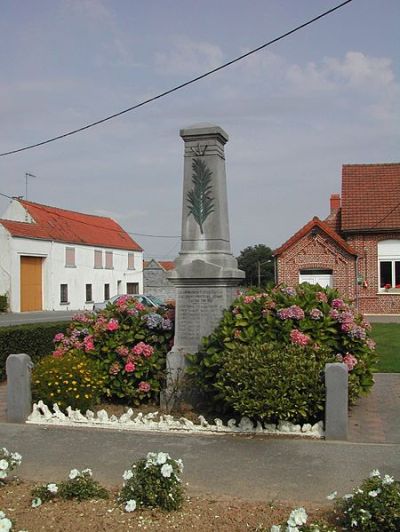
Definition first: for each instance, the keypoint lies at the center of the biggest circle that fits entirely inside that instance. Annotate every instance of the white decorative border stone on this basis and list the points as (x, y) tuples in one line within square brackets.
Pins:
[(42, 414)]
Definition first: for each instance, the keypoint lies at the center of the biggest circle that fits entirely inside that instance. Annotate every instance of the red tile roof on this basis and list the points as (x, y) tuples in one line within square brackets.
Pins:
[(166, 265), (370, 197), (60, 225), (324, 227)]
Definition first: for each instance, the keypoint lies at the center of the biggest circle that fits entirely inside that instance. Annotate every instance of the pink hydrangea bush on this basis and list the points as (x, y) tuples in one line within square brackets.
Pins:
[(307, 316), (129, 343)]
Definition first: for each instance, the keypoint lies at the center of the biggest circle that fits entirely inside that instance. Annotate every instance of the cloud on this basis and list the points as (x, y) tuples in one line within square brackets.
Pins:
[(361, 71), (189, 57)]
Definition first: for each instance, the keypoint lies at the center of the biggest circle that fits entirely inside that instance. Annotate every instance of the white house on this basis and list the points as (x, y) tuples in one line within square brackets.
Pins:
[(54, 259)]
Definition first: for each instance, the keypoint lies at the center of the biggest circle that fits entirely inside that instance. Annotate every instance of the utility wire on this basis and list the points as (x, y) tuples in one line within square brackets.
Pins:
[(6, 195), (178, 87)]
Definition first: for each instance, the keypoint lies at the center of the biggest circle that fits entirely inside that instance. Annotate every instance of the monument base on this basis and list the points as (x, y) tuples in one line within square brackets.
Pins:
[(200, 304)]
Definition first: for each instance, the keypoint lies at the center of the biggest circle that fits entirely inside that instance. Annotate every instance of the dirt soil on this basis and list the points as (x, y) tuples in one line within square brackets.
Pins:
[(200, 513)]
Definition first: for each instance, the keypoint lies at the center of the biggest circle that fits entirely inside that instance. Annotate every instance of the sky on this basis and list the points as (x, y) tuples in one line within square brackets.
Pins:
[(295, 112)]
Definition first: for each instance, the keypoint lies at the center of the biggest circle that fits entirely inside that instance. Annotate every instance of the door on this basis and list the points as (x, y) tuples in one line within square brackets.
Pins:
[(31, 283), (322, 277)]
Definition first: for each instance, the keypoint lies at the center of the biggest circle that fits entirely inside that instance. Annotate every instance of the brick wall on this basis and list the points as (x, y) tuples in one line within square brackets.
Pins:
[(371, 300), (318, 252)]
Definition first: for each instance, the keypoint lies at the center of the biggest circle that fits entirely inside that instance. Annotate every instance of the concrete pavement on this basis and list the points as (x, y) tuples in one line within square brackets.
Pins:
[(249, 467), (18, 318)]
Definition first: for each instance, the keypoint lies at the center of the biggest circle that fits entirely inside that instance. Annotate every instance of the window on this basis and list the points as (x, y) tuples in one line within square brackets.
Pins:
[(322, 277), (98, 258), (88, 291), (132, 288), (63, 293), (70, 258), (106, 292), (389, 264), (109, 260), (131, 261)]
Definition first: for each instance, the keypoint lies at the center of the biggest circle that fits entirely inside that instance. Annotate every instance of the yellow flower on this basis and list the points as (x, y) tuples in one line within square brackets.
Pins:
[(86, 395), (73, 382), (65, 382), (52, 395), (77, 396)]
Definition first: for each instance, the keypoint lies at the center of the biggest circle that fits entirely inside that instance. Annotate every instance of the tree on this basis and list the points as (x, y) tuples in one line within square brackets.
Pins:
[(258, 264)]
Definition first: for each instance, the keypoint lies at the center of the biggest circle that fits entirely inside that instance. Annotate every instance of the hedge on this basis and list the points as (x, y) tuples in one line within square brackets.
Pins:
[(3, 303), (34, 340)]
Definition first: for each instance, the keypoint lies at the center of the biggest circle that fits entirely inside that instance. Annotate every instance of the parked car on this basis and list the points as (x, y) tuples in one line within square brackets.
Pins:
[(147, 300)]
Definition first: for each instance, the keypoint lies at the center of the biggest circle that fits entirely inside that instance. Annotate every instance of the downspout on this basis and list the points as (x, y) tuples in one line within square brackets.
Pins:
[(276, 270), (356, 282)]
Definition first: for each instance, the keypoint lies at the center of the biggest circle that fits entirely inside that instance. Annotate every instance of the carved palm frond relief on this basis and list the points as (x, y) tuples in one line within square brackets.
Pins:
[(200, 201)]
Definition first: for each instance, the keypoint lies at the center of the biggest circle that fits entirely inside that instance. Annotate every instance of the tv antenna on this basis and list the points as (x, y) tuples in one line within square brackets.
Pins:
[(27, 174)]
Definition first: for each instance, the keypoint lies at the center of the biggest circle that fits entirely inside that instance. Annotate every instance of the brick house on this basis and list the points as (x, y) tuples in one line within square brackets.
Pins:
[(356, 249), (55, 259)]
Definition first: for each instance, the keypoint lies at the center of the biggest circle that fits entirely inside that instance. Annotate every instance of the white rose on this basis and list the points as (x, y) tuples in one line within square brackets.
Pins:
[(297, 517), (162, 458), (52, 488), (127, 474), (166, 470), (3, 464), (73, 474), (130, 506), (5, 524)]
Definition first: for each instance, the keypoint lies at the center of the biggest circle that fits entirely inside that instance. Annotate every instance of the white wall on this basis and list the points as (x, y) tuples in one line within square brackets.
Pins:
[(56, 273), (5, 265)]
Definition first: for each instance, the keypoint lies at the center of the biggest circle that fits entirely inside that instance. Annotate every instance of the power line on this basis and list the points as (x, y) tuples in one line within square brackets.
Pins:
[(178, 87), (6, 195), (386, 216)]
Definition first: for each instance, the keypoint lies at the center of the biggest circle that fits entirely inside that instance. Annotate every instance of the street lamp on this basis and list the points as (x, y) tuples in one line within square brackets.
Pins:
[(259, 264)]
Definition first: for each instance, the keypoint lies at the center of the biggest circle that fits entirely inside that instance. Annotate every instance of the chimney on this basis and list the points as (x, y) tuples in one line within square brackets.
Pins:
[(335, 203)]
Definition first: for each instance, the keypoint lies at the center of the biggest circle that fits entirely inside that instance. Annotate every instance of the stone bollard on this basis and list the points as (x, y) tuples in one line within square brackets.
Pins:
[(19, 395), (336, 406)]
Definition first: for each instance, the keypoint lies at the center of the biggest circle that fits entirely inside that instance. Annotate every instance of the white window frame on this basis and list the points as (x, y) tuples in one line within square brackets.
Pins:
[(388, 251), (131, 261), (109, 260), (69, 250), (98, 253)]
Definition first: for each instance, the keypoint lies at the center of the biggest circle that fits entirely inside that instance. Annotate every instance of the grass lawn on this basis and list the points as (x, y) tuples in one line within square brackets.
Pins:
[(387, 338)]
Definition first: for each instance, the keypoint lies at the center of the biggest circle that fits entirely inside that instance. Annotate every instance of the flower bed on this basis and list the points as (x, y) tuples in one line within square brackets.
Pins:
[(285, 335), (128, 344)]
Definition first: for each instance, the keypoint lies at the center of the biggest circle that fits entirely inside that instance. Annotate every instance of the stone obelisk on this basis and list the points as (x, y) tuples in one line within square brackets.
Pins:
[(206, 277)]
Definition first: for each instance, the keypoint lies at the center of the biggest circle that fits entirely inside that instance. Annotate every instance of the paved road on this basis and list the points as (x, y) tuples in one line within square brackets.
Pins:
[(18, 318), (249, 467), (383, 318)]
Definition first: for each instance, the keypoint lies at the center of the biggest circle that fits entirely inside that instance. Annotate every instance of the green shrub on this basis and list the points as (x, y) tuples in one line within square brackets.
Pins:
[(153, 482), (305, 316), (372, 507), (8, 462), (129, 342), (273, 383), (3, 303), (72, 380), (34, 340), (79, 486)]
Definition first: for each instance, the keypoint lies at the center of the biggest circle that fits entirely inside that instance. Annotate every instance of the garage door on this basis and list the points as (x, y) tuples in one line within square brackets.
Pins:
[(31, 283), (321, 277)]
